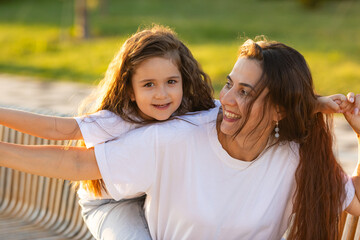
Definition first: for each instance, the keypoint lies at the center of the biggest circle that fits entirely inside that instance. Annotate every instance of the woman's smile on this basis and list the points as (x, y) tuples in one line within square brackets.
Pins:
[(231, 117)]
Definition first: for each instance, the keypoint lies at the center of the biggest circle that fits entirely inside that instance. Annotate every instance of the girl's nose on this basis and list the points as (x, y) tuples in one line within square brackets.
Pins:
[(161, 92)]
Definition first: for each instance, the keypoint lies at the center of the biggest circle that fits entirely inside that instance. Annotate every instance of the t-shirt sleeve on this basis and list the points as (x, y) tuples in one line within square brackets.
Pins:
[(349, 191), (128, 164), (102, 126)]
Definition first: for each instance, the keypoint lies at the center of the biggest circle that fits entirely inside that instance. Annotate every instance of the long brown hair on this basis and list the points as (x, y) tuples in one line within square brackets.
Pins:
[(320, 180), (113, 93)]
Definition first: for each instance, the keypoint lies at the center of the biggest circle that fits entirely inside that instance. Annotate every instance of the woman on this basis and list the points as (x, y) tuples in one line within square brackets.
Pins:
[(238, 172)]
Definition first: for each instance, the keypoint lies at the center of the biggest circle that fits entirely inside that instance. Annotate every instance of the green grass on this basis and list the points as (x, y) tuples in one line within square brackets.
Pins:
[(36, 36)]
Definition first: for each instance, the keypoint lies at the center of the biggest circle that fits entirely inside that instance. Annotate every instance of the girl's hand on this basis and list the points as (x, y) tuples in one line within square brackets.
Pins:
[(332, 104), (352, 113)]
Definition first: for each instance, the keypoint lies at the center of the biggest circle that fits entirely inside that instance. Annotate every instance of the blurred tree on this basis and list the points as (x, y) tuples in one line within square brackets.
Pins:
[(310, 3), (81, 19), (103, 7)]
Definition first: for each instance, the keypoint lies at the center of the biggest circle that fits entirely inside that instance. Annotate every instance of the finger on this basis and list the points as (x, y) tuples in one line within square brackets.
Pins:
[(338, 102), (345, 106), (353, 108), (334, 106), (338, 97), (356, 111), (357, 104), (348, 108), (351, 97), (357, 100)]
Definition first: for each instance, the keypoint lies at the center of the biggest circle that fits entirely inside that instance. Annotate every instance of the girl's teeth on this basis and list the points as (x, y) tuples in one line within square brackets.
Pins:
[(163, 105)]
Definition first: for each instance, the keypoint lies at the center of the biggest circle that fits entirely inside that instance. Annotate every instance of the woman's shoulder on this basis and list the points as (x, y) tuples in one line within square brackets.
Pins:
[(290, 149)]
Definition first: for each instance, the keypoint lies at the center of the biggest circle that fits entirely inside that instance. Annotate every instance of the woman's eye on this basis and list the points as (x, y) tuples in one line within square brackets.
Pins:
[(228, 84), (150, 84), (172, 81), (243, 92)]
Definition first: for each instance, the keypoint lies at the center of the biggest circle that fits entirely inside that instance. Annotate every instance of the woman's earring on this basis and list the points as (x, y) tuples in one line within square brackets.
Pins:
[(277, 135)]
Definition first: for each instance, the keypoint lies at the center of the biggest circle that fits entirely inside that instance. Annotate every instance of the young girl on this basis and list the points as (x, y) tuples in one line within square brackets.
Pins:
[(153, 77)]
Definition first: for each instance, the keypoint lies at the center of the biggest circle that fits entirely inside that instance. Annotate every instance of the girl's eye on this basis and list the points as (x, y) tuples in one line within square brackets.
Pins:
[(172, 81), (150, 84)]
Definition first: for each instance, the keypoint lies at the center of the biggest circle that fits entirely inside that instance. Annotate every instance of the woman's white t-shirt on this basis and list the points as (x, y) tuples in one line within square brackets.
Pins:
[(195, 190)]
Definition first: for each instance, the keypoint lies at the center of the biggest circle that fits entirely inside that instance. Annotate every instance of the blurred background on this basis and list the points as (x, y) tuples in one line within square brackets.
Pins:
[(75, 40), (53, 52)]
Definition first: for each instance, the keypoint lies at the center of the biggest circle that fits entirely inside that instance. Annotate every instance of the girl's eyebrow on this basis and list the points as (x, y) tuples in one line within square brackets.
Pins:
[(152, 79), (242, 84), (175, 76)]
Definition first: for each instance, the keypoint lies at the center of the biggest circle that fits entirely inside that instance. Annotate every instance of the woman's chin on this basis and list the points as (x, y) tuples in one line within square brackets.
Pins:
[(227, 130)]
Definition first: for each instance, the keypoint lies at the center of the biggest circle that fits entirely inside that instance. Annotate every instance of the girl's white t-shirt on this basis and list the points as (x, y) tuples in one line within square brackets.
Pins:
[(98, 128), (195, 189), (102, 126), (105, 125)]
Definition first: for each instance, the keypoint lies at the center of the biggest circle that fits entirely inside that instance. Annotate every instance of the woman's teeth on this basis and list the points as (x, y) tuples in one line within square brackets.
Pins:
[(231, 115)]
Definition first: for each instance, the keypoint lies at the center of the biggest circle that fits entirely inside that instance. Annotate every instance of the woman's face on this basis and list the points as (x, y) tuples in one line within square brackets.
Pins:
[(237, 93)]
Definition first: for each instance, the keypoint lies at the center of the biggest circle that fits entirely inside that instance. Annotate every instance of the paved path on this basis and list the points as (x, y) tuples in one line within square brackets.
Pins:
[(64, 98), (27, 93)]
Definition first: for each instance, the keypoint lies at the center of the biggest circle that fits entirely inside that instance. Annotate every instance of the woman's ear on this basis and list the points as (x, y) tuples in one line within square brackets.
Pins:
[(280, 113)]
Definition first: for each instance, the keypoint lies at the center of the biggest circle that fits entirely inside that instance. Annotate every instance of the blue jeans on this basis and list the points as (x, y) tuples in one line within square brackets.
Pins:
[(108, 219)]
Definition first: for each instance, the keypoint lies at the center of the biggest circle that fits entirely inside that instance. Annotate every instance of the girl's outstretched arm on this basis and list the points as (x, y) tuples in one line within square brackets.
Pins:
[(49, 127), (70, 163)]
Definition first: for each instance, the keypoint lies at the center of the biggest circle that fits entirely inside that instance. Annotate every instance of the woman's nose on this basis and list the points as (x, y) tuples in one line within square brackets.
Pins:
[(228, 97)]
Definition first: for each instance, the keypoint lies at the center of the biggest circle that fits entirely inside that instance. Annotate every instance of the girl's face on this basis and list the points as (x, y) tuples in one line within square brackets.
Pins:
[(157, 88), (237, 93)]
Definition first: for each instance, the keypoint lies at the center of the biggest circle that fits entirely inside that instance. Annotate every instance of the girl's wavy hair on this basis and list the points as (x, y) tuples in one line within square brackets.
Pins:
[(114, 90), (320, 180)]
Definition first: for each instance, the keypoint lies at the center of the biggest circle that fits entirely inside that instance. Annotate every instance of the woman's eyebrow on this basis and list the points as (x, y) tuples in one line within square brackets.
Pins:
[(247, 85), (229, 78), (242, 84)]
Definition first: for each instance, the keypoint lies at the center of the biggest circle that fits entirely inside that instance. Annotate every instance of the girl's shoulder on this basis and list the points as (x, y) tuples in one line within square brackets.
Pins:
[(202, 117)]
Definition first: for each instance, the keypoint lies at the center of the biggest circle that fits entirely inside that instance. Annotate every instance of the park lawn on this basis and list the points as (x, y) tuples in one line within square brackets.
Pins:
[(36, 36)]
